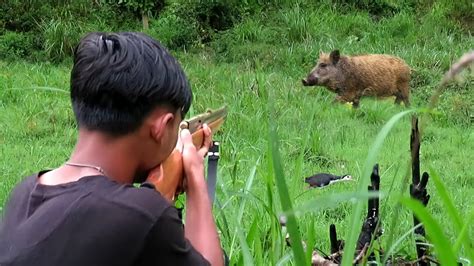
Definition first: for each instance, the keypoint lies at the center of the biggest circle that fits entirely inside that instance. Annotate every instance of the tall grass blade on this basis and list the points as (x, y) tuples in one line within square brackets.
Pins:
[(277, 245), (282, 187), (448, 203), (253, 240), (285, 201), (248, 186), (356, 221), (442, 246), (311, 240), (41, 88), (242, 240), (285, 259), (247, 256), (460, 228), (238, 230), (464, 237), (224, 226), (398, 242), (397, 208)]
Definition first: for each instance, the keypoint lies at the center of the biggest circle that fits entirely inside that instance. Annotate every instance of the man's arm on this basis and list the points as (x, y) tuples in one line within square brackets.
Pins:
[(166, 243), (200, 227)]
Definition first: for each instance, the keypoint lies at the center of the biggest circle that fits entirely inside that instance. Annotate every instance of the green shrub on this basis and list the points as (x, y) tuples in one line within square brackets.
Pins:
[(61, 36), (16, 45), (376, 8), (217, 15), (142, 9), (186, 23), (205, 17), (462, 110), (22, 16), (26, 15), (462, 11), (49, 29), (401, 26), (174, 31), (250, 30)]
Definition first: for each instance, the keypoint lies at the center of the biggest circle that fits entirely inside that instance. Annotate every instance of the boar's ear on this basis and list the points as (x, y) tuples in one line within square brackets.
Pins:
[(334, 56)]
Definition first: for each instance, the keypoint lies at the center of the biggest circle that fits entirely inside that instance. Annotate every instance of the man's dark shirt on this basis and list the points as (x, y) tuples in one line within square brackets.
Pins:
[(93, 221)]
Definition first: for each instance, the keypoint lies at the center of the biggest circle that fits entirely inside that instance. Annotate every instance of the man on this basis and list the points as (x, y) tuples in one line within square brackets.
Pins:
[(129, 96)]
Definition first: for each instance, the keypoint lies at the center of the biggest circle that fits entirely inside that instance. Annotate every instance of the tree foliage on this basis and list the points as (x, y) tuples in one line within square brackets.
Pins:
[(145, 8), (49, 29)]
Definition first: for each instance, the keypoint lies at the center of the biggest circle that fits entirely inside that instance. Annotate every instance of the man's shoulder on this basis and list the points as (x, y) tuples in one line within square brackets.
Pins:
[(144, 200), (27, 182), (24, 187)]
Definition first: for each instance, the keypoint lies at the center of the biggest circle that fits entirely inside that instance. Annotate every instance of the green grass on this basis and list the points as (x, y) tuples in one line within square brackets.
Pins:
[(257, 74)]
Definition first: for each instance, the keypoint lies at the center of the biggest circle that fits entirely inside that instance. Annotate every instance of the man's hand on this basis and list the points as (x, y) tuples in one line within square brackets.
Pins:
[(193, 158), (200, 226)]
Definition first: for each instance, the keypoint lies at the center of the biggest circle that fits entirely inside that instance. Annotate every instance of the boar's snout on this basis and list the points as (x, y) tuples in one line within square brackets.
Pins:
[(310, 81)]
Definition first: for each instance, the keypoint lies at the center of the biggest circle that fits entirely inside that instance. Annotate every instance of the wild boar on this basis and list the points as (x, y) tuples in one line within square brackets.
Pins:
[(352, 77)]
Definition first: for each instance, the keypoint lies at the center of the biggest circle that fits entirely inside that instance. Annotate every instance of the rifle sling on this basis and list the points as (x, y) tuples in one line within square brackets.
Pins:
[(212, 159)]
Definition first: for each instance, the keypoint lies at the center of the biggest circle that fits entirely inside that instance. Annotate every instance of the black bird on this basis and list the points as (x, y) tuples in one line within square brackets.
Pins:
[(323, 179)]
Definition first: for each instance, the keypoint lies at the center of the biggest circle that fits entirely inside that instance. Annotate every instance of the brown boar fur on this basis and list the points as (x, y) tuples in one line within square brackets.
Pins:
[(353, 77)]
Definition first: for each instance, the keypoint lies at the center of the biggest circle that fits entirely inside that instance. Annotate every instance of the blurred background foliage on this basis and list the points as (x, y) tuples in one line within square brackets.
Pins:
[(49, 29)]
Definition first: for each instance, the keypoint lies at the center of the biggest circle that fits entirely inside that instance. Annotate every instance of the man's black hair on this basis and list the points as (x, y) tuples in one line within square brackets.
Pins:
[(119, 78)]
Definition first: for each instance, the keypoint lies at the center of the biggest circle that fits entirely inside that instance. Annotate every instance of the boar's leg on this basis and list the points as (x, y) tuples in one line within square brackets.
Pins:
[(403, 93), (399, 98), (406, 102), (339, 99), (356, 98), (355, 103), (352, 96), (345, 98)]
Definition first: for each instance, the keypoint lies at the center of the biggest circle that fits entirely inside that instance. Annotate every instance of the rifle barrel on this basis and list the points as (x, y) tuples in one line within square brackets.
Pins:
[(196, 122)]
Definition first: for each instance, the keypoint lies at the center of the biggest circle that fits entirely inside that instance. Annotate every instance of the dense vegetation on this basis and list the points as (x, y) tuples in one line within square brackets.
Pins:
[(251, 55), (48, 30)]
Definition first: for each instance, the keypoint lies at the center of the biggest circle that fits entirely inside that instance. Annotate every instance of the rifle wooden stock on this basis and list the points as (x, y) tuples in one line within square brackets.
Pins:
[(169, 180)]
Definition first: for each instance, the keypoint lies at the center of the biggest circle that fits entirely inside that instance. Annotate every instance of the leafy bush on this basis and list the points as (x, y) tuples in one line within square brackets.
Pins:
[(186, 23), (140, 8), (462, 11), (15, 45), (376, 8), (22, 16), (49, 29), (217, 15), (54, 27), (456, 11), (174, 31)]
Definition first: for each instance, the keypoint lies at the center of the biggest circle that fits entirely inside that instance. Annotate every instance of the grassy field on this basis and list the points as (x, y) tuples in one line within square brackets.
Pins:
[(256, 70)]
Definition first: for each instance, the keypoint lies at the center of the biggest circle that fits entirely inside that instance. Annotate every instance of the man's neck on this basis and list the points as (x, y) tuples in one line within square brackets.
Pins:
[(110, 154), (97, 154)]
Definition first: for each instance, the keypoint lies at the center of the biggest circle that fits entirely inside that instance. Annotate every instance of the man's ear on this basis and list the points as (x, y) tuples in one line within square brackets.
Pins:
[(160, 124)]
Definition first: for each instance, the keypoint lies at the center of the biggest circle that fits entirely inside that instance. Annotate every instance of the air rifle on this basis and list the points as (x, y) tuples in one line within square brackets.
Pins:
[(170, 182)]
